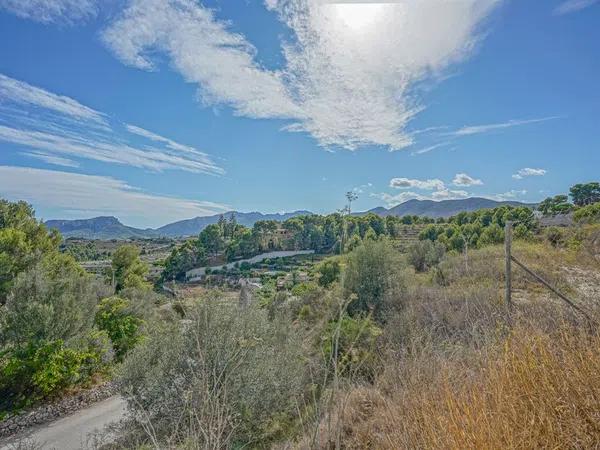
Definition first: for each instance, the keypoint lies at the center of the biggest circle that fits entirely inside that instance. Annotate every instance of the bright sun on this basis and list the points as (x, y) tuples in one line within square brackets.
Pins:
[(358, 16)]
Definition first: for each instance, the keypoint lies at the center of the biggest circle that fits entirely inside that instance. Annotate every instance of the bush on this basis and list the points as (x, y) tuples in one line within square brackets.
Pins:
[(225, 379), (588, 214), (423, 255), (114, 316), (42, 369), (351, 343), (555, 236), (329, 271), (372, 280), (46, 328)]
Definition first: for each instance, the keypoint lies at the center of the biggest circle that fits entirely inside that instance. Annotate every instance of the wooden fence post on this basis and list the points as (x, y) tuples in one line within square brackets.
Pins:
[(508, 264)]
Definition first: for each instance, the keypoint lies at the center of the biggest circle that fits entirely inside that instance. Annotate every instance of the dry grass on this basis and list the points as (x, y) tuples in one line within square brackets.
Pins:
[(535, 390), (459, 376)]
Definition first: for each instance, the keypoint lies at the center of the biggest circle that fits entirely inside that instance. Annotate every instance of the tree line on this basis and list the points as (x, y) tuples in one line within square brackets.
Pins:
[(323, 234)]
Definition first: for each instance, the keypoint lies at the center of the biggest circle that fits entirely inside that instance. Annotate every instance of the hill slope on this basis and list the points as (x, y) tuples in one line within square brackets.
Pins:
[(106, 227), (194, 226), (111, 228)]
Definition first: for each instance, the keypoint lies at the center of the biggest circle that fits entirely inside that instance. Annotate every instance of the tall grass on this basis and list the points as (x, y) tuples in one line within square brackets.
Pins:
[(458, 375), (536, 390)]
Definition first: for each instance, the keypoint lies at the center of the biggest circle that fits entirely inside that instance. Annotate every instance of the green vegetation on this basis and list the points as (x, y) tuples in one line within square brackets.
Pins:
[(49, 340), (378, 342), (23, 243), (127, 269), (480, 228), (115, 317), (583, 195), (589, 213)]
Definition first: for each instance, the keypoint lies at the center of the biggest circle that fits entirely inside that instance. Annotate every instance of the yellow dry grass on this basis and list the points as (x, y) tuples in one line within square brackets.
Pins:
[(536, 390)]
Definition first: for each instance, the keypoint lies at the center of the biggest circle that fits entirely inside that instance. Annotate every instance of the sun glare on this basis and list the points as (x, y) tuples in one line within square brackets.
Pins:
[(358, 16)]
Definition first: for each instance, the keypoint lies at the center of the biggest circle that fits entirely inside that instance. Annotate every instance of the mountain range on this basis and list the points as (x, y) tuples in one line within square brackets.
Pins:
[(443, 208), (108, 227)]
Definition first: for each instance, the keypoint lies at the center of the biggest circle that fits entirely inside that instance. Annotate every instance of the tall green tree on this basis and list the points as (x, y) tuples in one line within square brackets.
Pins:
[(558, 204), (585, 193), (128, 270), (211, 239), (23, 242)]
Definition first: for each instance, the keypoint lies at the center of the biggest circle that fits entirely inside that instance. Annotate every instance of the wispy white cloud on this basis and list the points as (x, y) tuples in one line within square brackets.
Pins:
[(362, 188), (408, 183), (19, 92), (58, 127), (429, 148), (88, 147), (77, 196), (571, 6), (479, 129), (529, 172), (345, 84), (158, 138), (439, 191), (442, 194), (204, 51), (507, 196), (47, 11), (462, 179), (52, 159)]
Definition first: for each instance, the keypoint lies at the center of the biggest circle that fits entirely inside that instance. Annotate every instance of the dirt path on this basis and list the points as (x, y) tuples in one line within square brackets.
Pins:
[(71, 432)]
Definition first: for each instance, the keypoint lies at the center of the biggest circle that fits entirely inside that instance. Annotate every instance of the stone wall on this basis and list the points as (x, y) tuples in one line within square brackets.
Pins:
[(52, 411)]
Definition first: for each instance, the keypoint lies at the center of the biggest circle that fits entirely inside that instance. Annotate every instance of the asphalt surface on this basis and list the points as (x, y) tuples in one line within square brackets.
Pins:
[(72, 432)]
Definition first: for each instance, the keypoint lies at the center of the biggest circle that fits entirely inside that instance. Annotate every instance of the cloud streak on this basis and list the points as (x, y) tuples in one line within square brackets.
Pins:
[(52, 159), (480, 129), (26, 95), (80, 196), (61, 129), (571, 6)]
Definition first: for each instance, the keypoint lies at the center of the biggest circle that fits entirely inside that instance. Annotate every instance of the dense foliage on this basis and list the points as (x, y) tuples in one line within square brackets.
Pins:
[(323, 234), (590, 213), (49, 340), (480, 228)]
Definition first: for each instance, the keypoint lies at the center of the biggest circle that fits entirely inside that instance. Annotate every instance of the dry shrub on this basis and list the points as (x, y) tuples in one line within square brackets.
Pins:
[(533, 390)]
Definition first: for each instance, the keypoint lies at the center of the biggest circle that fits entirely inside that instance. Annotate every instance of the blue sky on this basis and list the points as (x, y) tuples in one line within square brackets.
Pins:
[(159, 110)]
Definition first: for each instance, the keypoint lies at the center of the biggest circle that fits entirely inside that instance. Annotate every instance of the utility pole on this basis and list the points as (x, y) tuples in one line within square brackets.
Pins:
[(508, 263)]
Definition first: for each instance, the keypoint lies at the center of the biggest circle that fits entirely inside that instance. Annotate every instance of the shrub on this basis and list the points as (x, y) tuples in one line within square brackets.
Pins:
[(555, 236), (372, 280), (589, 214), (491, 235), (225, 379), (114, 316), (42, 369), (45, 326), (329, 271), (423, 255), (351, 343)]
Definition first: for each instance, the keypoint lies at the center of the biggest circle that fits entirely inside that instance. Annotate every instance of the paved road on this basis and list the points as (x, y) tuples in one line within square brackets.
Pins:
[(70, 432)]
